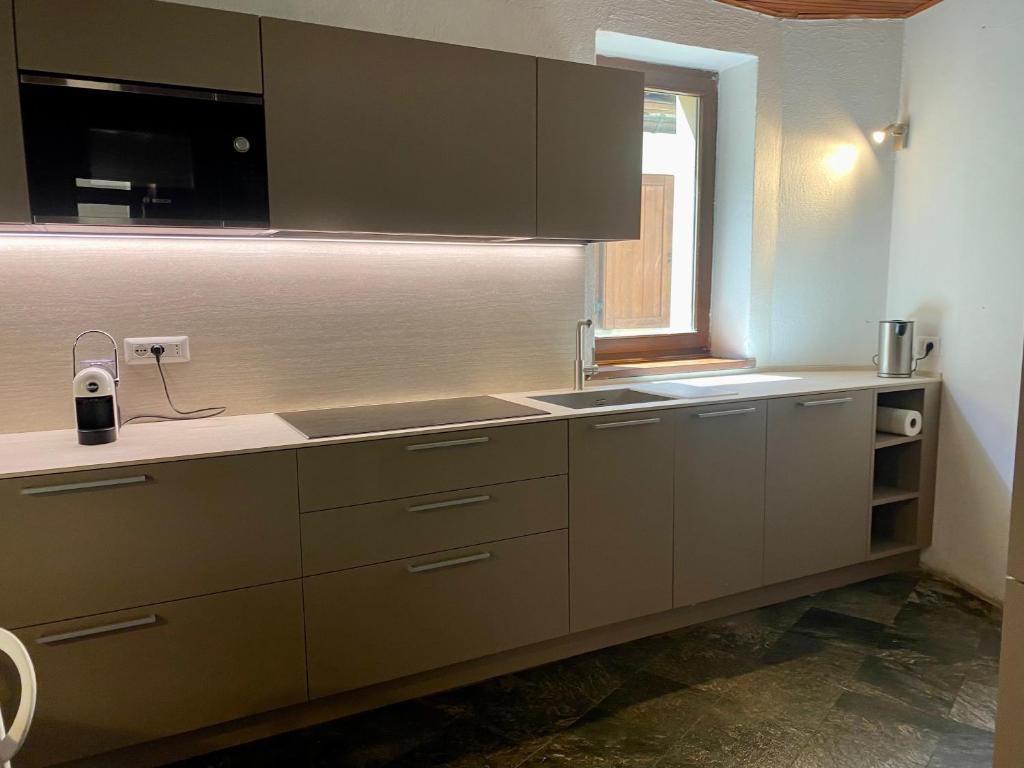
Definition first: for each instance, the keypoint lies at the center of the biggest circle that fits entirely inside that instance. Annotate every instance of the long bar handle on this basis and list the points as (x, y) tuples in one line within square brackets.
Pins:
[(632, 423), (833, 401), (449, 563), (105, 629), (447, 444), (445, 504), (716, 414), (42, 490)]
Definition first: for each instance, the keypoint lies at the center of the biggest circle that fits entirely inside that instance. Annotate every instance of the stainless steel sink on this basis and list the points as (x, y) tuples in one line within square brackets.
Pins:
[(601, 398)]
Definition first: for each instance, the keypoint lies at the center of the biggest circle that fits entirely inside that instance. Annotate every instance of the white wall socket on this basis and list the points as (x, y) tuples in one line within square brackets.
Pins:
[(921, 343), (137, 350)]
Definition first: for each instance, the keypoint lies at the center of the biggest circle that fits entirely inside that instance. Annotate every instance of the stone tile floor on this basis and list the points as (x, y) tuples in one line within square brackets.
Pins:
[(897, 672)]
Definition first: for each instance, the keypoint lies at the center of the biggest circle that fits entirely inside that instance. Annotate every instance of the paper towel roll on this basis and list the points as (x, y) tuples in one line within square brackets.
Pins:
[(898, 421)]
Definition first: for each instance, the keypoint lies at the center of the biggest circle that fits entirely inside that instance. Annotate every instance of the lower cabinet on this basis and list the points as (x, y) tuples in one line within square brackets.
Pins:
[(719, 501), (818, 486), (381, 622), (122, 678), (620, 517)]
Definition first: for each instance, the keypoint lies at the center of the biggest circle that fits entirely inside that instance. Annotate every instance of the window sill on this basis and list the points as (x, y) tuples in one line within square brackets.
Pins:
[(663, 367)]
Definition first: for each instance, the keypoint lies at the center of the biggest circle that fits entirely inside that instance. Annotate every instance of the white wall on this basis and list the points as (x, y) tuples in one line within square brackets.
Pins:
[(818, 83), (285, 325), (957, 264)]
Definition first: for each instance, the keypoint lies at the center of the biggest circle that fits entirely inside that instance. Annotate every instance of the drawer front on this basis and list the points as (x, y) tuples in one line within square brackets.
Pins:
[(334, 539), (171, 668), (98, 541), (382, 622), (344, 475)]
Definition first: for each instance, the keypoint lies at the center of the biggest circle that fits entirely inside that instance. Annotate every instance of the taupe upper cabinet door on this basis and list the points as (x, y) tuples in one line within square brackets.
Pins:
[(719, 501), (141, 40), (374, 133), (620, 517), (13, 183), (589, 151), (818, 487)]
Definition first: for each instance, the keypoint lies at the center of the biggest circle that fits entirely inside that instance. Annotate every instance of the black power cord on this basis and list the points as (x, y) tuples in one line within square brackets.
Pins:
[(214, 410)]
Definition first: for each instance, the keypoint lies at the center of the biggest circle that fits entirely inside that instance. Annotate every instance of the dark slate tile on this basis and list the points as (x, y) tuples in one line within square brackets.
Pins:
[(878, 600), (975, 705), (887, 677), (730, 736), (713, 655), (964, 748), (540, 701), (632, 728), (797, 681), (465, 744), (841, 629), (871, 732)]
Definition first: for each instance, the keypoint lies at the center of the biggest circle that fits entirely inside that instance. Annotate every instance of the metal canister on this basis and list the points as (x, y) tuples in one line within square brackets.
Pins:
[(895, 358)]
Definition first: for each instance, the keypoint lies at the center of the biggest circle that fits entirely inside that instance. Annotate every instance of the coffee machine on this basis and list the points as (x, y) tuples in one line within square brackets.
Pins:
[(94, 388)]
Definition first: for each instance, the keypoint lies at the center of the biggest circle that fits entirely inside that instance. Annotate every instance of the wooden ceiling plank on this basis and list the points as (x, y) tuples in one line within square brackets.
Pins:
[(833, 9)]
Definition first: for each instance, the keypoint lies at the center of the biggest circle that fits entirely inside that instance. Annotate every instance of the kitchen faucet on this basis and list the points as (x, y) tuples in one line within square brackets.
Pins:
[(581, 371)]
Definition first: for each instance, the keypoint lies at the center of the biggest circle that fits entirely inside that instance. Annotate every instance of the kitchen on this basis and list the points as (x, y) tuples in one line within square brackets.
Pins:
[(449, 189)]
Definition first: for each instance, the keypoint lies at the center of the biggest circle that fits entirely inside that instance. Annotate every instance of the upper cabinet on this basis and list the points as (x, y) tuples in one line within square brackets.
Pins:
[(13, 185), (140, 40), (589, 151), (374, 133)]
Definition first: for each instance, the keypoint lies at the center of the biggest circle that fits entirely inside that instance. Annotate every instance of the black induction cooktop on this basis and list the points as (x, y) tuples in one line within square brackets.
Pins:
[(360, 419)]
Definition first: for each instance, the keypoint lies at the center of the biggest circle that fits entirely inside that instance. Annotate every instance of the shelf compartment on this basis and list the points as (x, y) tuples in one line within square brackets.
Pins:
[(894, 528), (898, 466), (908, 399), (887, 439), (884, 494)]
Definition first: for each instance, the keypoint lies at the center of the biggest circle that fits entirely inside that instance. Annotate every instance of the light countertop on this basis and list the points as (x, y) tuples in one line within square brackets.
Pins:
[(38, 453)]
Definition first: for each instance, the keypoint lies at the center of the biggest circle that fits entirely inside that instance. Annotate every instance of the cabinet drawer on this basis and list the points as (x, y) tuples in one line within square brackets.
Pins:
[(334, 539), (146, 42), (344, 475), (98, 541), (171, 668), (382, 622)]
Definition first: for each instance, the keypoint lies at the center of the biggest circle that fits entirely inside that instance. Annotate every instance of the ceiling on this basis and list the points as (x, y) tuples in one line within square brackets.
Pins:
[(835, 9)]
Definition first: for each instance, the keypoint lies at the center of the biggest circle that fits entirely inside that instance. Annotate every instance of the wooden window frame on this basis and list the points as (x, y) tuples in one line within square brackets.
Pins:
[(676, 346)]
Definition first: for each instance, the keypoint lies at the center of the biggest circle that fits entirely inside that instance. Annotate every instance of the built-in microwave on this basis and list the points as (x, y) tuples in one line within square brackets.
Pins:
[(101, 152)]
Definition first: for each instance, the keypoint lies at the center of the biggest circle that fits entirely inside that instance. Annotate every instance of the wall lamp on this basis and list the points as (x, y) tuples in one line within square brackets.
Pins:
[(899, 132)]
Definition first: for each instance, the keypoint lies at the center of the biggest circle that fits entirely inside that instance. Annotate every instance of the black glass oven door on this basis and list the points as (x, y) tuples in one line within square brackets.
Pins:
[(98, 155)]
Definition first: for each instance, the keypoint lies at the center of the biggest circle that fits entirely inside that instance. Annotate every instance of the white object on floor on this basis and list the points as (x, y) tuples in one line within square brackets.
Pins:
[(898, 421), (11, 742)]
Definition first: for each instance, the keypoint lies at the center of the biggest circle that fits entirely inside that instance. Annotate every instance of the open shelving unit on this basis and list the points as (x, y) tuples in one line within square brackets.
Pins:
[(896, 488)]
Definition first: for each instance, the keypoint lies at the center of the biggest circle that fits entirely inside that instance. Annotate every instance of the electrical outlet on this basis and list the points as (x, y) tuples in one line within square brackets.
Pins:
[(137, 350), (921, 346)]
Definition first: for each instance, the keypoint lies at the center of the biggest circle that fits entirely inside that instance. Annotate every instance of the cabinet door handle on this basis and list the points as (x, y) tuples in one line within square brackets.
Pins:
[(632, 423), (445, 504), (105, 629), (447, 444), (833, 401), (449, 563), (716, 414), (41, 490)]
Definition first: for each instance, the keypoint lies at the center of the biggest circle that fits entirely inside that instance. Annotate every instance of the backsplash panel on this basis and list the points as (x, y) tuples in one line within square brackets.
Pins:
[(285, 325)]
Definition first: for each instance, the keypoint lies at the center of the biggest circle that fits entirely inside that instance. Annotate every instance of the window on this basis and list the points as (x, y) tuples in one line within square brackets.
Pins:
[(654, 294)]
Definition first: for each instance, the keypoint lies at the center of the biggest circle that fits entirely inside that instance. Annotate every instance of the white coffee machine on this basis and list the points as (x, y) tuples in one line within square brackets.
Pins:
[(95, 392)]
